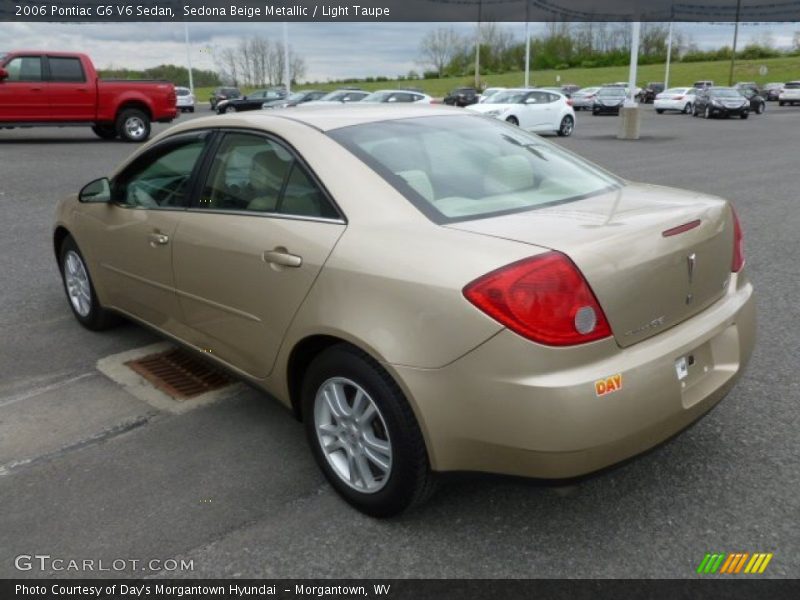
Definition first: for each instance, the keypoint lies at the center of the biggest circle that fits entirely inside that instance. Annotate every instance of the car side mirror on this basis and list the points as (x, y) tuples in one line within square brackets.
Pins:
[(98, 190), (3, 74)]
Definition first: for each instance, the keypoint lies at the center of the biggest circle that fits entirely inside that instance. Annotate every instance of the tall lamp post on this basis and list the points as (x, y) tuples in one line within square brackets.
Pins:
[(478, 48), (735, 41), (188, 55), (527, 44)]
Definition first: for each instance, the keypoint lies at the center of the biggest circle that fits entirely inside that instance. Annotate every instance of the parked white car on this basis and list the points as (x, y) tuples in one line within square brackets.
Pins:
[(790, 93), (184, 99), (678, 98), (401, 96), (542, 111)]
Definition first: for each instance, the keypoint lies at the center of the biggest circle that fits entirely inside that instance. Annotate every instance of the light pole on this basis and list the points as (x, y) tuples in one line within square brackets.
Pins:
[(188, 55), (478, 48), (527, 44), (287, 66), (669, 56), (735, 41), (635, 32)]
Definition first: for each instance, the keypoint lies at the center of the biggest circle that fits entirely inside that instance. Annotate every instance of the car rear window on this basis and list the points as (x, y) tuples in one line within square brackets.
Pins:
[(182, 91), (793, 85), (457, 168), (66, 69)]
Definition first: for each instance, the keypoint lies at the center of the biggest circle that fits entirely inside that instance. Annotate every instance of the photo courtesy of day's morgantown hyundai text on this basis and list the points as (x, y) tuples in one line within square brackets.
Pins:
[(451, 293)]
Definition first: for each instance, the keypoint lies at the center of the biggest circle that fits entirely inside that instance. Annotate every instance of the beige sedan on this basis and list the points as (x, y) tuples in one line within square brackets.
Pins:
[(428, 290)]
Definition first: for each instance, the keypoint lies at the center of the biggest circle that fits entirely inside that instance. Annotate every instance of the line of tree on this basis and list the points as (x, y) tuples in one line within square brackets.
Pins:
[(443, 52), (177, 75), (258, 62)]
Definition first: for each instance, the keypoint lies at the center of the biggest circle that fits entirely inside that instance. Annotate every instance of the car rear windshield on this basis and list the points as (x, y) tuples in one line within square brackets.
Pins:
[(458, 168), (793, 85), (182, 91), (612, 91)]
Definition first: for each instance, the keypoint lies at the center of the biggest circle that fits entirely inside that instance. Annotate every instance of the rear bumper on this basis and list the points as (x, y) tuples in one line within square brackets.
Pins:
[(515, 407), (671, 104)]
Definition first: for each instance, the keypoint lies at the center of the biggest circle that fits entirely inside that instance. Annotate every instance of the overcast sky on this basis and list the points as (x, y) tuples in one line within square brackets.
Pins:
[(331, 50)]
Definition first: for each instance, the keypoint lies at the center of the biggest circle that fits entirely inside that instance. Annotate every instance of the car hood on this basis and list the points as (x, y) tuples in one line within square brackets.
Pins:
[(642, 274)]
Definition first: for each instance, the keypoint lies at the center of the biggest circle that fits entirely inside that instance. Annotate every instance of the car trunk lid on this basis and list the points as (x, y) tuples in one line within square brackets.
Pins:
[(653, 256)]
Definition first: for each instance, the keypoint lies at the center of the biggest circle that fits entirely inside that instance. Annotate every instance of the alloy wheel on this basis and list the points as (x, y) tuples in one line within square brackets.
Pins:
[(77, 281), (352, 435)]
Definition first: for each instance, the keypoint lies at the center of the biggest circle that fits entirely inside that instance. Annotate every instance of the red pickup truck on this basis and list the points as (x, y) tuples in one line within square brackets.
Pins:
[(62, 89)]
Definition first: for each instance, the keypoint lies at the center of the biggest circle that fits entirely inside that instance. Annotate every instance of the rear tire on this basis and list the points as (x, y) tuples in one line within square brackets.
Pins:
[(352, 377), (660, 111), (687, 109), (133, 125), (106, 132), (707, 113), (80, 289), (781, 103), (513, 121), (761, 108), (567, 127)]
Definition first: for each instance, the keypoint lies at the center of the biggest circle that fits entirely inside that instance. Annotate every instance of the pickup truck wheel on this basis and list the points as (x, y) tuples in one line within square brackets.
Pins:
[(133, 125), (106, 132)]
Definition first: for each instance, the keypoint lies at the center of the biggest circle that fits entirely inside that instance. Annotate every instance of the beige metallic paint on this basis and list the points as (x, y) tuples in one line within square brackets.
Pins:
[(486, 398)]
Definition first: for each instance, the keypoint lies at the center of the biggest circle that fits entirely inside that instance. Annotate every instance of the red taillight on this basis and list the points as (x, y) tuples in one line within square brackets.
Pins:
[(544, 298), (738, 244)]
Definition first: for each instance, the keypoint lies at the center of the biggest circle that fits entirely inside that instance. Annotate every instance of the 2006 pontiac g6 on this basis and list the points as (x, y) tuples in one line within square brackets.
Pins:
[(428, 290)]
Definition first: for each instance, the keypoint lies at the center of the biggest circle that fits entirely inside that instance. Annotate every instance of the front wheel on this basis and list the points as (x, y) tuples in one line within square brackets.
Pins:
[(761, 108), (567, 127), (513, 121), (133, 125), (660, 111), (687, 109), (363, 433), (707, 113), (80, 289)]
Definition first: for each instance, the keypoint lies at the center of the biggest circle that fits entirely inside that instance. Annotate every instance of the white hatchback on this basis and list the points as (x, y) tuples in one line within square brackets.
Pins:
[(678, 98), (184, 99), (790, 93), (542, 111)]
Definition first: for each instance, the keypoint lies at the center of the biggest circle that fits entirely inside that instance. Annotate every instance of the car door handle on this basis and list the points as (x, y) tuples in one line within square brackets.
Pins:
[(282, 257), (158, 239)]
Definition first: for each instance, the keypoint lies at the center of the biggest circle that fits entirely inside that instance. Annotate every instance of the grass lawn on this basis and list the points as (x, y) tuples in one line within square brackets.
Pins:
[(779, 69)]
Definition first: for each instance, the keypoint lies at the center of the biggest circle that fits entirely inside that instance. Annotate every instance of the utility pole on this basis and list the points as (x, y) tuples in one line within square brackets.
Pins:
[(735, 41)]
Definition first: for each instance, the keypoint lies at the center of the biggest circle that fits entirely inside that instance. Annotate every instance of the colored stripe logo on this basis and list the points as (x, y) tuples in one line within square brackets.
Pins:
[(734, 563)]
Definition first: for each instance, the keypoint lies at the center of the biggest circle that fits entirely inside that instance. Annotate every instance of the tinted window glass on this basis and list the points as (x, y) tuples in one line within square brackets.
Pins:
[(25, 68), (66, 69), (248, 173), (457, 168), (303, 198), (252, 173), (160, 179)]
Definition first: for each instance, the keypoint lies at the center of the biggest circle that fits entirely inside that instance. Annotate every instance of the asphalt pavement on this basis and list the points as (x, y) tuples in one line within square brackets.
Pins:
[(88, 471)]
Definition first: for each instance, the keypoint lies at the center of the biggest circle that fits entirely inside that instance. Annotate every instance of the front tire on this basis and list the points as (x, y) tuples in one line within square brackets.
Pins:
[(513, 121), (567, 127), (707, 113), (687, 109), (363, 433), (761, 108), (80, 289), (133, 125)]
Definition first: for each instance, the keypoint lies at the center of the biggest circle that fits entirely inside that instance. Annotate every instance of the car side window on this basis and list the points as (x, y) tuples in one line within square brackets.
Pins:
[(64, 69), (162, 177), (25, 68), (255, 174)]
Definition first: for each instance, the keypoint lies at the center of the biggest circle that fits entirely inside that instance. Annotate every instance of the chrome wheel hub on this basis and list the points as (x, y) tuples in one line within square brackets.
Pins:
[(77, 283), (134, 127), (353, 435)]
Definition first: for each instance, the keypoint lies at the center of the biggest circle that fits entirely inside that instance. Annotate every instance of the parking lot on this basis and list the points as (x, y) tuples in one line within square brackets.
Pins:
[(89, 471)]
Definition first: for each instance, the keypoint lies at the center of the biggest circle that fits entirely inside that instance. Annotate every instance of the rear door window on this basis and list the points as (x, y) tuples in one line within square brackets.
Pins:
[(65, 69)]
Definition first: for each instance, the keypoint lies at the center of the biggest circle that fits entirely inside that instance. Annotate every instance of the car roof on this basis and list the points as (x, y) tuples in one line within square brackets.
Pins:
[(328, 118)]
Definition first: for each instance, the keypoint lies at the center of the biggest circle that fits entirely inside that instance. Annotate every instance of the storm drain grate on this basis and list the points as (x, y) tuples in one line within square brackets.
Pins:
[(179, 373)]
